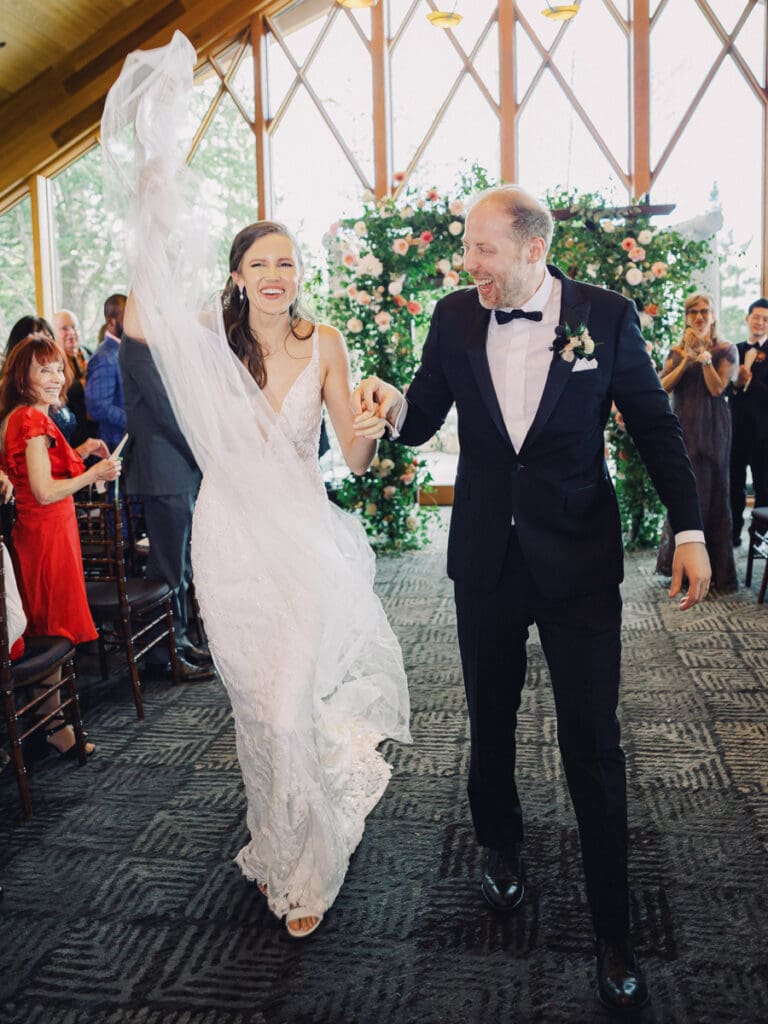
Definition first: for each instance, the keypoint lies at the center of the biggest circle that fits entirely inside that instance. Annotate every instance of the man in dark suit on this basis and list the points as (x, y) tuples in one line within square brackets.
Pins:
[(104, 399), (749, 414), (161, 470), (535, 533)]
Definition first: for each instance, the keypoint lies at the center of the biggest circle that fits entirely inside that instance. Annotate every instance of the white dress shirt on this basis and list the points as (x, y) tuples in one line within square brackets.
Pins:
[(519, 356)]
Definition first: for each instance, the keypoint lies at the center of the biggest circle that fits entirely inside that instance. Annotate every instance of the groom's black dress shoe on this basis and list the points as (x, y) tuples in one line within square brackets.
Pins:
[(621, 984), (503, 883), (188, 673)]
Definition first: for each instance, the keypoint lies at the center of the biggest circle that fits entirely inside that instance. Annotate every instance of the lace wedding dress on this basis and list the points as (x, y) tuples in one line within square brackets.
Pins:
[(284, 578)]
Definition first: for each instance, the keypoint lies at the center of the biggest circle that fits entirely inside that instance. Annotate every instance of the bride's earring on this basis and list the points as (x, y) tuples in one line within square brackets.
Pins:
[(242, 293)]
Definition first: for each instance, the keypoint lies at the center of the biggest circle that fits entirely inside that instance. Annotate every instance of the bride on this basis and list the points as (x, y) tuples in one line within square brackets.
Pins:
[(283, 577)]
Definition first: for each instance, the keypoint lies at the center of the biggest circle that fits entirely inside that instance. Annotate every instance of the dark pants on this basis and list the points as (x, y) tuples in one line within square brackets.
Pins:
[(169, 528), (581, 640), (747, 450)]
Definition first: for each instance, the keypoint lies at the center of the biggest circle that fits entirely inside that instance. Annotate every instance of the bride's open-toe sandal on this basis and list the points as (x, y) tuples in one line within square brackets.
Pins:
[(296, 914)]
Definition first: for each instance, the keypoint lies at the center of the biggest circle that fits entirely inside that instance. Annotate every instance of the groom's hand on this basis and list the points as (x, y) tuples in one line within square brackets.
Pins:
[(374, 403), (691, 562)]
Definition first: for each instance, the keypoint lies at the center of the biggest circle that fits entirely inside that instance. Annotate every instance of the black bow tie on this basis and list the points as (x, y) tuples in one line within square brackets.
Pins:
[(502, 317)]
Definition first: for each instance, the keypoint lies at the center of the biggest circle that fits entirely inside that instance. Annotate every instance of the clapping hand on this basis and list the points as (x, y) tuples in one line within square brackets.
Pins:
[(93, 446)]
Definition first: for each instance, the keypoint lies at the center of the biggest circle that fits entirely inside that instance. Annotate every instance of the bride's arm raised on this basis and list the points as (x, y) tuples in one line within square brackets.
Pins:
[(337, 389)]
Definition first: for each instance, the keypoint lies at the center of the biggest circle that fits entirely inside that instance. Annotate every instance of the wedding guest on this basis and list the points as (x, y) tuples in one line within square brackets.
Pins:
[(532, 361), (696, 373), (749, 416), (45, 472), (62, 415), (104, 400), (67, 333)]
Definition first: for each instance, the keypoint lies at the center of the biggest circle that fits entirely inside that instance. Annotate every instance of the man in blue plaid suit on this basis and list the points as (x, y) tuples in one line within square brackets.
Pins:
[(104, 399)]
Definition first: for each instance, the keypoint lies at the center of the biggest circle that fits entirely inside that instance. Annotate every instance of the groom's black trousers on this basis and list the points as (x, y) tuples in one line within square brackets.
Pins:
[(581, 640)]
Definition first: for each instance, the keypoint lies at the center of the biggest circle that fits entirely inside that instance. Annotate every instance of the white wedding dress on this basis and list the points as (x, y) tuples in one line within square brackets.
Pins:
[(283, 577)]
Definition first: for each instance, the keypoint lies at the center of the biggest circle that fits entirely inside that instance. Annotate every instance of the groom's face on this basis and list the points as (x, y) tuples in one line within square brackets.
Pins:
[(505, 271)]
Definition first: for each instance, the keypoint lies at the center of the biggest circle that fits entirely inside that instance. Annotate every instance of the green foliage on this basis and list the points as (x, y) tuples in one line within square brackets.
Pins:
[(17, 274), (388, 266), (653, 267)]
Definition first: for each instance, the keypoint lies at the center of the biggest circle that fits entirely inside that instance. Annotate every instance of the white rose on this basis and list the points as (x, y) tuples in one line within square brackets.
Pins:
[(407, 211), (646, 320), (412, 523), (633, 276), (354, 325), (455, 227), (370, 265), (396, 286), (443, 266), (645, 237), (592, 269), (361, 228), (587, 344), (608, 226), (457, 259)]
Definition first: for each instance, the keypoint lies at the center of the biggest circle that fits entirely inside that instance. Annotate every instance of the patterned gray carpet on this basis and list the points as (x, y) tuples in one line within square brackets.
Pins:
[(122, 905)]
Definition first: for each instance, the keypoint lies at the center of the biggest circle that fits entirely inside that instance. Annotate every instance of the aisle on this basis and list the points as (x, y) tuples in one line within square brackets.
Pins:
[(123, 906)]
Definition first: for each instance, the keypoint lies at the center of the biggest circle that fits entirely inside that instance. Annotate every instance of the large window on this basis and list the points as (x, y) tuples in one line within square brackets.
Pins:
[(349, 101), (17, 274)]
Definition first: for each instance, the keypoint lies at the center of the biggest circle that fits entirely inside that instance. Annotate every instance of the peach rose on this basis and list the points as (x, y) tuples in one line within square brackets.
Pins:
[(400, 247), (628, 243), (658, 269)]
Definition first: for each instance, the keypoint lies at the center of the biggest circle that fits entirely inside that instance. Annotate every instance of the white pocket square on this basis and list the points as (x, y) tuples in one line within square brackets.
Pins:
[(584, 364)]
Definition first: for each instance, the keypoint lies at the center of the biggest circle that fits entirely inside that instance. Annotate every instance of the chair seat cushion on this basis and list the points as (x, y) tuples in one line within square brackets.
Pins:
[(141, 594), (41, 655)]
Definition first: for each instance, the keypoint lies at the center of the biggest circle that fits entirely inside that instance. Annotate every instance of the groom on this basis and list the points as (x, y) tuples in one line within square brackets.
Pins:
[(533, 361)]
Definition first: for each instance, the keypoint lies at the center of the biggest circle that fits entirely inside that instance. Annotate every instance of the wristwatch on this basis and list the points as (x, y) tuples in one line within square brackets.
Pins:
[(708, 360)]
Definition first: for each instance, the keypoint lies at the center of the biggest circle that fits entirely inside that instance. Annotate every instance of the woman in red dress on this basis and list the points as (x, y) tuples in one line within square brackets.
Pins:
[(45, 473)]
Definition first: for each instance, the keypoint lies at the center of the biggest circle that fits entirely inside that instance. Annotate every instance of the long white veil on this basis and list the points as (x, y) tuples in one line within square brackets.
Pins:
[(283, 577)]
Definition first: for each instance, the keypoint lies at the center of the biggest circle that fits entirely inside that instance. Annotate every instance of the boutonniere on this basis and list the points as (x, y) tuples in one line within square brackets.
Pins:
[(760, 357), (573, 344)]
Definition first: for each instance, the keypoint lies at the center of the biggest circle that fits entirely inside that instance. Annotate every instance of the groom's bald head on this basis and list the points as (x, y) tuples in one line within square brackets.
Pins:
[(527, 217)]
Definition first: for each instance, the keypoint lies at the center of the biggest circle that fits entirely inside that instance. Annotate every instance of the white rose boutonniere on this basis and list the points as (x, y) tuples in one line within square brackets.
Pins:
[(574, 344)]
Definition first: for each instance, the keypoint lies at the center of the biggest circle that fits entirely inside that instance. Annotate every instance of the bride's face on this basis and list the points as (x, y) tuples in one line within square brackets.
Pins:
[(270, 274)]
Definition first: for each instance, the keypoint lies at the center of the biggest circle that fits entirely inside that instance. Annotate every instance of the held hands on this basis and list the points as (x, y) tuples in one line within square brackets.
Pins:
[(691, 562), (374, 403)]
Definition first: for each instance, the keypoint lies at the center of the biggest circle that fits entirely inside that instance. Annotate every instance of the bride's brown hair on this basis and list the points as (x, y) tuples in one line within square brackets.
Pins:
[(241, 338)]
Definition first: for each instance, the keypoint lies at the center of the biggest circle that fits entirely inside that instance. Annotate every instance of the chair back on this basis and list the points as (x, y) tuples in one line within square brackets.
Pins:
[(100, 523)]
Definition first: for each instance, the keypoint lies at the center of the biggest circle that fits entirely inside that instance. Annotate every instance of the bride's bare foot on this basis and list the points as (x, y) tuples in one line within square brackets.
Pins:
[(299, 922)]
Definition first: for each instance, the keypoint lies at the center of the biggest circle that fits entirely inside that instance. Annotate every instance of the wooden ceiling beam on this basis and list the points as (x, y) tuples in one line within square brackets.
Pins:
[(58, 113)]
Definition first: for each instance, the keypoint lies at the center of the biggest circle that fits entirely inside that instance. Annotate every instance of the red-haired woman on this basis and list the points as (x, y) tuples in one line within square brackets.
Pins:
[(45, 473)]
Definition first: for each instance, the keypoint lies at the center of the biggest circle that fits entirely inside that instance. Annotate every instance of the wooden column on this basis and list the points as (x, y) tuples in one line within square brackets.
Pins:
[(43, 245), (382, 143), (640, 100), (261, 117), (507, 95)]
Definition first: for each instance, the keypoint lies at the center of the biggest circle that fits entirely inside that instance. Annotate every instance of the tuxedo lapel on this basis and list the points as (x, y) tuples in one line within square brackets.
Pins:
[(574, 312), (477, 334)]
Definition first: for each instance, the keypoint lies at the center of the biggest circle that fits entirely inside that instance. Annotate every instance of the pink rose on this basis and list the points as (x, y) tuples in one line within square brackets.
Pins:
[(636, 254), (414, 307), (456, 207), (659, 269), (426, 237), (354, 326), (433, 195), (400, 247), (349, 259), (363, 297), (383, 320), (628, 243)]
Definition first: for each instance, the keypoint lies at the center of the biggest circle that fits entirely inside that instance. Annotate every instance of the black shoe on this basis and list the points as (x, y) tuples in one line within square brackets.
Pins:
[(621, 984), (503, 882), (195, 655), (188, 673)]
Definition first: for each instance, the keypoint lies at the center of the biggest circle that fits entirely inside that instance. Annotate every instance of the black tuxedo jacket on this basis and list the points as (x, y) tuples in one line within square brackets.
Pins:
[(158, 460), (557, 487), (749, 408)]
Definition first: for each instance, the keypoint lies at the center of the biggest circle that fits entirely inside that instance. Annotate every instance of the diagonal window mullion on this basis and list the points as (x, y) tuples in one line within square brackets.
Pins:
[(545, 54), (356, 25), (403, 25), (468, 62), (302, 79), (617, 16), (225, 78), (730, 42), (293, 88), (654, 17), (207, 117)]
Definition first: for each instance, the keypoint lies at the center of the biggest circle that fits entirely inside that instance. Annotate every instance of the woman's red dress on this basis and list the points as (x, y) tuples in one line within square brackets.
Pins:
[(46, 543)]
